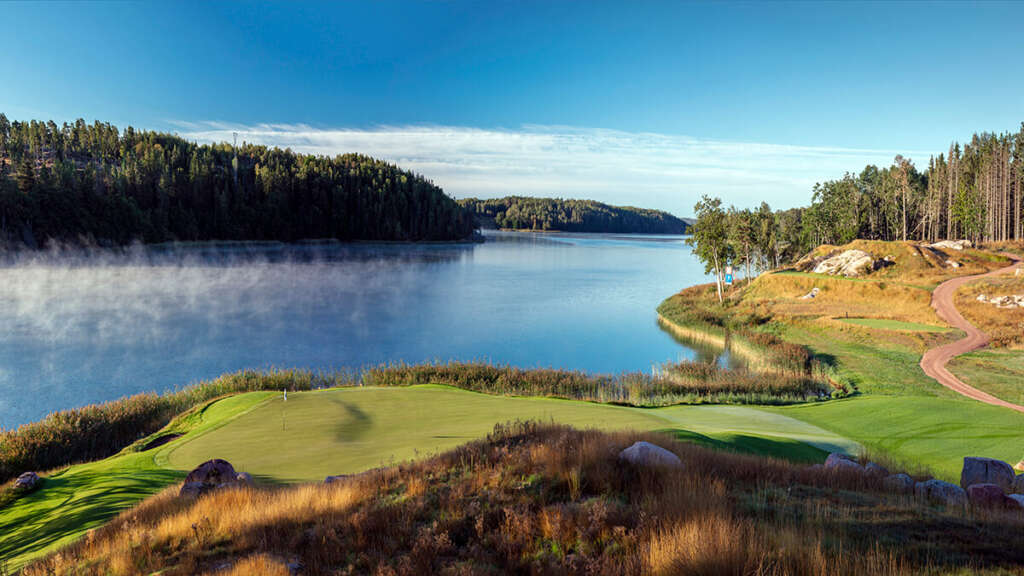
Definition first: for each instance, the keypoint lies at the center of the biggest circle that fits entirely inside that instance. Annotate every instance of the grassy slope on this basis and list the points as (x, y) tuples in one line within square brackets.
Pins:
[(900, 411), (349, 430), (80, 498), (998, 372)]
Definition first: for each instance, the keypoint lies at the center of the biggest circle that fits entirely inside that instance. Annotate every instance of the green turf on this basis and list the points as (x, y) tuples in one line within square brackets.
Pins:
[(80, 498), (348, 430), (894, 325), (340, 431), (935, 433), (998, 372)]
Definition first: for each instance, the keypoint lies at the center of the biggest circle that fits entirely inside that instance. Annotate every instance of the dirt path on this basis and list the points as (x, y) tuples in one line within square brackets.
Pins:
[(934, 361)]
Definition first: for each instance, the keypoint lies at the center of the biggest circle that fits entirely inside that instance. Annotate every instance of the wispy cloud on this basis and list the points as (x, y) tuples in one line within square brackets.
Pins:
[(645, 169)]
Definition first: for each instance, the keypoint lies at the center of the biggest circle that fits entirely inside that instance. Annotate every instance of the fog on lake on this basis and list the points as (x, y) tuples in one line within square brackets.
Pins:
[(78, 327)]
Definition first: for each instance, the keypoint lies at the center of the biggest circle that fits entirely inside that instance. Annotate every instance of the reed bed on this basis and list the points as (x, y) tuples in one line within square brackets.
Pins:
[(545, 499)]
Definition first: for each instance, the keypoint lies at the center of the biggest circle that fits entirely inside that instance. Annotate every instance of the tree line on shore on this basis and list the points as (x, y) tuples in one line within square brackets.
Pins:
[(567, 215), (93, 182), (976, 191)]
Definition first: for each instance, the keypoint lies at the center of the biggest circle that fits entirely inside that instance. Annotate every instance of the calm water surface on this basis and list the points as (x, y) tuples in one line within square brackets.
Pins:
[(82, 328)]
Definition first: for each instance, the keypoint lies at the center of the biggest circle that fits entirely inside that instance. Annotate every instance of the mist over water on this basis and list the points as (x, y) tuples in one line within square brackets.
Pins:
[(86, 326)]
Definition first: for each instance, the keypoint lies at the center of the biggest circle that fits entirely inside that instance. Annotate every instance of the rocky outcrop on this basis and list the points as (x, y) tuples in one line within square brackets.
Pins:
[(1008, 301), (647, 454), (849, 263), (939, 492), (811, 295), (951, 244), (27, 482), (899, 483), (986, 471)]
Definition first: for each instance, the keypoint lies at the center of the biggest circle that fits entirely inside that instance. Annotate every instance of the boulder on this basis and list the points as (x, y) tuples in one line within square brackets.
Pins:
[(214, 471), (899, 483), (27, 482), (210, 475), (1015, 501), (941, 492), (986, 471), (876, 470), (1018, 484), (951, 244), (647, 454), (811, 295), (333, 479), (195, 489), (837, 461), (244, 478), (987, 496), (952, 263), (848, 263)]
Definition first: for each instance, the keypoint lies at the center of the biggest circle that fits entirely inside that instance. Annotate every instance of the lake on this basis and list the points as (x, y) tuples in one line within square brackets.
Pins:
[(83, 327)]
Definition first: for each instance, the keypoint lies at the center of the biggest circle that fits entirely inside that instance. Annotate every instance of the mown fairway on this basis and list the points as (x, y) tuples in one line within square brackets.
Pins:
[(886, 324)]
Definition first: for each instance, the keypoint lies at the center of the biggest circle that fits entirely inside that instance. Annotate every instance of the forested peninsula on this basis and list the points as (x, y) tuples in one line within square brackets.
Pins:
[(556, 214), (85, 183)]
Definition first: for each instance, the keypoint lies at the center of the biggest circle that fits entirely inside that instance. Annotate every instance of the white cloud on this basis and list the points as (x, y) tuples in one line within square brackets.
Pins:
[(643, 169)]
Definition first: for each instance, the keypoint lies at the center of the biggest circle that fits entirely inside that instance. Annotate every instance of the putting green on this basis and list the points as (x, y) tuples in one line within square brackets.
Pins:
[(339, 431)]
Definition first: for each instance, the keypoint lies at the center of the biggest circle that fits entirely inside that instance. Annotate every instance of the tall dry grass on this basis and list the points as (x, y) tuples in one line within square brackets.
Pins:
[(545, 499), (1004, 325)]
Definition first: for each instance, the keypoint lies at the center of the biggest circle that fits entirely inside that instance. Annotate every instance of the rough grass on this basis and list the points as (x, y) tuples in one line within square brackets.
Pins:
[(545, 499), (1004, 325), (999, 372)]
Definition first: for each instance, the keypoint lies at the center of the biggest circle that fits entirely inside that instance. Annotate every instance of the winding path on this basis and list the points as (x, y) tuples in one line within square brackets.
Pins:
[(934, 361)]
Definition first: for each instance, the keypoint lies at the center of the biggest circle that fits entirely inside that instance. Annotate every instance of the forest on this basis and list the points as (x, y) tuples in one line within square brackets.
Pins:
[(974, 191), (523, 213), (83, 183)]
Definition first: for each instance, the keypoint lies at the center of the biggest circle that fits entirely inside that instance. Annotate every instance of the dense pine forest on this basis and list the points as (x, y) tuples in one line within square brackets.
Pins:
[(976, 191), (522, 213), (84, 182)]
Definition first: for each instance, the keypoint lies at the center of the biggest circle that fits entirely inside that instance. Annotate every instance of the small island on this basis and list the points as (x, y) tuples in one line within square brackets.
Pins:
[(567, 215)]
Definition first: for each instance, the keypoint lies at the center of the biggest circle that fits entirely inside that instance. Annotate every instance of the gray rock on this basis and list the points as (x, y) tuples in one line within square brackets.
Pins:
[(1018, 484), (26, 482), (940, 492), (987, 496), (986, 471), (338, 478), (838, 461), (876, 469), (647, 454), (899, 483), (195, 489), (1016, 501), (244, 478), (214, 471), (849, 263), (951, 244)]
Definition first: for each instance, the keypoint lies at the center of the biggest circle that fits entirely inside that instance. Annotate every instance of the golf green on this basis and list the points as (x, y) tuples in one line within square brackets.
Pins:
[(339, 431)]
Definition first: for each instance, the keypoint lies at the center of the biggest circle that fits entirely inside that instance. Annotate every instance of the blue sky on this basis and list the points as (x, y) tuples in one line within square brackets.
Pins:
[(631, 102)]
